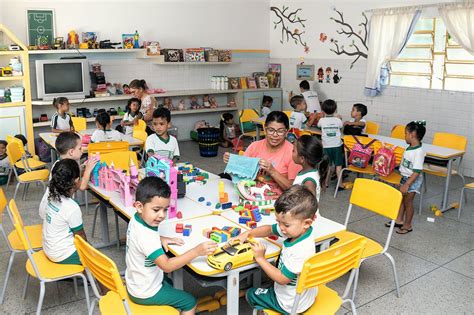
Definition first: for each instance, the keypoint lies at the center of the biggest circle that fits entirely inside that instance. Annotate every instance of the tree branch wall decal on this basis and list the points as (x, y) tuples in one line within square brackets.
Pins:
[(288, 21)]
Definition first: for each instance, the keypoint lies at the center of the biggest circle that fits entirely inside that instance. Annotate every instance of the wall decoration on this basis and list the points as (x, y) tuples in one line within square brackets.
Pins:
[(358, 46), (305, 72), (323, 37), (336, 78), (328, 74), (288, 21), (320, 75), (274, 75), (40, 30)]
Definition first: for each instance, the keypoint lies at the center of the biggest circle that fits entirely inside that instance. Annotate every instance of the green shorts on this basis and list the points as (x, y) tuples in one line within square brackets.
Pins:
[(168, 295), (71, 260), (261, 299), (336, 155)]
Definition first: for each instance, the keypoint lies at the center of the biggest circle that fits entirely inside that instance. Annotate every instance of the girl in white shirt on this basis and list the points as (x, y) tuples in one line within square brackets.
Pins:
[(104, 133), (132, 114)]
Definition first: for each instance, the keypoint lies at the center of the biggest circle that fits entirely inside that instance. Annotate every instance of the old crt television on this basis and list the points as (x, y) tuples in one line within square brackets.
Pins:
[(65, 77)]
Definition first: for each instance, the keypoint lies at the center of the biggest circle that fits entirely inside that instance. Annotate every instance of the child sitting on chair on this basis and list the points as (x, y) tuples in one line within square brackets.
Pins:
[(104, 133), (357, 122), (295, 211), (145, 256), (161, 142), (267, 103)]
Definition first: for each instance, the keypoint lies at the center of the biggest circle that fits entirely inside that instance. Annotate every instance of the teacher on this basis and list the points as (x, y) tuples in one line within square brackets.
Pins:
[(275, 152), (148, 103)]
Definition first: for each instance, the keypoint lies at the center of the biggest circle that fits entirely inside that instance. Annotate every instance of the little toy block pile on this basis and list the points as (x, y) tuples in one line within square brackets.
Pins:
[(193, 174), (223, 196), (249, 215), (186, 230), (221, 235)]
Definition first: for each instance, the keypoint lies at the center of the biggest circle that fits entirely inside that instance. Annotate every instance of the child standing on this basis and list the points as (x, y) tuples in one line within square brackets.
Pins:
[(161, 142), (308, 152), (295, 211), (228, 131), (61, 120), (145, 254), (63, 218), (132, 114), (4, 164), (331, 135), (104, 132), (410, 169), (310, 97), (267, 103), (298, 118), (357, 121)]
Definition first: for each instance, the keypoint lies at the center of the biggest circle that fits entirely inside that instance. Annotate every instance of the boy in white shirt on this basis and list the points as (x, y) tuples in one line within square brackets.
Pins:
[(161, 142), (298, 118), (145, 252), (295, 211), (331, 136), (358, 112), (310, 97)]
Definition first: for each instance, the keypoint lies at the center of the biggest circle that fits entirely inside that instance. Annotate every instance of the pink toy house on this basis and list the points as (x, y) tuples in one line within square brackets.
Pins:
[(162, 167)]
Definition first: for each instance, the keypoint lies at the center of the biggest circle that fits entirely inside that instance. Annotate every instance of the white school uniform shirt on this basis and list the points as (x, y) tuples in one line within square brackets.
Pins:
[(167, 148), (297, 120), (106, 136), (292, 258), (43, 207), (362, 120), (312, 101), (61, 122), (127, 117), (142, 276), (330, 131), (311, 175), (61, 220), (412, 161), (265, 111), (4, 165)]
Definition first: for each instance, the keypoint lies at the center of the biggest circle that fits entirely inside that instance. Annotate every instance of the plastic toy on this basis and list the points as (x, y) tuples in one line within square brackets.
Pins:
[(136, 38), (207, 304), (187, 230), (251, 224), (72, 40), (194, 103), (208, 203), (231, 255), (255, 196), (181, 105), (179, 228), (192, 174), (227, 205), (179, 215), (162, 167)]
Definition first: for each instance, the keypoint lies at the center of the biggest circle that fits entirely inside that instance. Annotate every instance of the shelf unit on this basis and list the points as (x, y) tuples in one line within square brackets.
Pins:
[(25, 81), (91, 119), (86, 51), (203, 63)]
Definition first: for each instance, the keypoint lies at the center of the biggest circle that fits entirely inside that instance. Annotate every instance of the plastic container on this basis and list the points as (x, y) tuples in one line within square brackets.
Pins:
[(208, 139)]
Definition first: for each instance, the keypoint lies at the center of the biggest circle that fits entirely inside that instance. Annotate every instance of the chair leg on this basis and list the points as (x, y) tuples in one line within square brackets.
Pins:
[(91, 309), (25, 190), (7, 275), (425, 186), (9, 179), (354, 288), (86, 200), (421, 202), (16, 190), (86, 291), (395, 276), (117, 232), (96, 211), (25, 288), (460, 203), (353, 306), (339, 182), (74, 281), (41, 297)]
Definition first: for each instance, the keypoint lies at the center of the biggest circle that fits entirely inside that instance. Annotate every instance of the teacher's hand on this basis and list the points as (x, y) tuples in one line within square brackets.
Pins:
[(266, 166)]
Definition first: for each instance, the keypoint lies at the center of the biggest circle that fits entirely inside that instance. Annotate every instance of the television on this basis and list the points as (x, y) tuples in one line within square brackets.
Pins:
[(64, 77)]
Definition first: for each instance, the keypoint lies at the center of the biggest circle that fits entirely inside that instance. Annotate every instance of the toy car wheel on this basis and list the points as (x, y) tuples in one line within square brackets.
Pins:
[(228, 266)]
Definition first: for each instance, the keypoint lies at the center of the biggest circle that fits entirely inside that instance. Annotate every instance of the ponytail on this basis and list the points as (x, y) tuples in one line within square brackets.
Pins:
[(64, 175), (59, 100), (138, 84), (323, 169), (103, 119)]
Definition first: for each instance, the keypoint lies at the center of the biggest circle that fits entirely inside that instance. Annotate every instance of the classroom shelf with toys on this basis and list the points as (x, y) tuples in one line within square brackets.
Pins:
[(137, 51)]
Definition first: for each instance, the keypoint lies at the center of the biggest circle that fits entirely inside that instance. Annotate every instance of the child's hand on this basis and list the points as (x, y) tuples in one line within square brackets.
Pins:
[(241, 238), (404, 188), (226, 157), (206, 248), (258, 250), (266, 166), (165, 241), (89, 164)]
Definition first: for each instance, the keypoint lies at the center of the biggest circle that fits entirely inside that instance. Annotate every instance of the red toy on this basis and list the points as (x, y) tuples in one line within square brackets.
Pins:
[(179, 228)]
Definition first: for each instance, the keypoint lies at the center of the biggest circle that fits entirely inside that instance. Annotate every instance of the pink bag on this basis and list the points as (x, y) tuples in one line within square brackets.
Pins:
[(360, 154), (384, 161)]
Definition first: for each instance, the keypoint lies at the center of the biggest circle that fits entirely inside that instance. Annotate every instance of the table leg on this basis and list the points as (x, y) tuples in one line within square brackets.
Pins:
[(444, 203), (178, 279), (104, 222), (233, 292)]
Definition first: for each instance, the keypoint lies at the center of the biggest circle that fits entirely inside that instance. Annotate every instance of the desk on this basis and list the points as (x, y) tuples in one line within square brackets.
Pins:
[(260, 122), (210, 191), (433, 151)]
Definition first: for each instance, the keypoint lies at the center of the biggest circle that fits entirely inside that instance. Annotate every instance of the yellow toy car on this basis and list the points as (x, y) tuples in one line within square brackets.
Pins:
[(231, 255)]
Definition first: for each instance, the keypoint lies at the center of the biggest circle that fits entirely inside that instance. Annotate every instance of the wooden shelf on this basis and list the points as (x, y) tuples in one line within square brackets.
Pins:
[(206, 63), (12, 104), (84, 51), (13, 78), (90, 119), (11, 52)]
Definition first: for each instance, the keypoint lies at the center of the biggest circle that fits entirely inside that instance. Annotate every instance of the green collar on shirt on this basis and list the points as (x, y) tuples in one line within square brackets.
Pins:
[(163, 139), (414, 148), (308, 171), (140, 220), (289, 243)]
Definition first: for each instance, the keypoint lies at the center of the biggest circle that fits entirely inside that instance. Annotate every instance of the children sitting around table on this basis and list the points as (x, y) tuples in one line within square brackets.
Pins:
[(145, 256), (295, 211), (61, 120), (356, 125), (104, 133), (267, 102), (161, 142)]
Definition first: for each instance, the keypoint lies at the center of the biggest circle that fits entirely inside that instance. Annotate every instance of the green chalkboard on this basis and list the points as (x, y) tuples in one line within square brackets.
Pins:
[(40, 26)]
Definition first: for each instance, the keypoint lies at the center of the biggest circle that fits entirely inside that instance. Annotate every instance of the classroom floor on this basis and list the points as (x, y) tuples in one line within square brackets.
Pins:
[(435, 261)]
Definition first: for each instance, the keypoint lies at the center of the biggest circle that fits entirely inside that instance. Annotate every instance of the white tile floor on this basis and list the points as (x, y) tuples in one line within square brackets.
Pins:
[(435, 261)]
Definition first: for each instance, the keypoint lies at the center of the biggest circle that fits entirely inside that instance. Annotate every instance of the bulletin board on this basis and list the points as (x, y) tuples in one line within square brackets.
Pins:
[(40, 26)]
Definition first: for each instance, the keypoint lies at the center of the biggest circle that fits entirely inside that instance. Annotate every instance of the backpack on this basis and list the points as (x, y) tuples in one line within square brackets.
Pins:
[(352, 130), (360, 154), (384, 161)]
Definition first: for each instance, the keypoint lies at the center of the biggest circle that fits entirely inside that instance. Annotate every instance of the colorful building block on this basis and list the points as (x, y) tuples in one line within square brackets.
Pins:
[(265, 211), (179, 228), (201, 199), (251, 224), (216, 237), (244, 220), (206, 232), (227, 205)]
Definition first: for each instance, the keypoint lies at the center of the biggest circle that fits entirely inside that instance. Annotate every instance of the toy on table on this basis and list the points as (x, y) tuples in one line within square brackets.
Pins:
[(192, 174), (205, 101), (86, 139), (223, 196), (162, 167), (250, 216), (194, 103), (249, 193), (221, 235), (231, 255), (185, 230)]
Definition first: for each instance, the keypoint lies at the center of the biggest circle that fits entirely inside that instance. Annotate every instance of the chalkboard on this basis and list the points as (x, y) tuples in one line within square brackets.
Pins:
[(40, 26)]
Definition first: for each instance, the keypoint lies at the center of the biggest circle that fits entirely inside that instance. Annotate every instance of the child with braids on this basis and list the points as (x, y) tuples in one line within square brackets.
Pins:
[(104, 133), (63, 217)]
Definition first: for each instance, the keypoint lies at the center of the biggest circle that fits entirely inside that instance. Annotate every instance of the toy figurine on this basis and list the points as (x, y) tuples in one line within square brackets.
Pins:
[(181, 105), (168, 104), (213, 102), (136, 37), (232, 103), (336, 78), (72, 40), (194, 103), (118, 89), (320, 75), (328, 74), (205, 101), (58, 43)]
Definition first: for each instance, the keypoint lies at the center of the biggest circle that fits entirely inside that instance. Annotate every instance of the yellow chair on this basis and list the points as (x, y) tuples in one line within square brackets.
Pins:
[(29, 176), (141, 126), (372, 128), (349, 143), (34, 233), (324, 267), (247, 115), (101, 268), (39, 266), (79, 123), (467, 186), (141, 135), (288, 113), (381, 199), (398, 131), (107, 147)]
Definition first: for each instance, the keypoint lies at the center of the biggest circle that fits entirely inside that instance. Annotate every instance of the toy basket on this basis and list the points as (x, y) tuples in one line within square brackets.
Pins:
[(208, 139)]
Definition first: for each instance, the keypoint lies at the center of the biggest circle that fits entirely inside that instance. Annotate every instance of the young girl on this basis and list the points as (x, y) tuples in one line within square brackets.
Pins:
[(63, 217), (139, 90), (228, 131), (132, 114), (308, 152), (61, 120), (410, 169), (4, 164), (103, 132)]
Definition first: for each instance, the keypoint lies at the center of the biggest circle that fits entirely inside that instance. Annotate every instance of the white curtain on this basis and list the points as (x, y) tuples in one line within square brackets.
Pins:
[(389, 32), (459, 20)]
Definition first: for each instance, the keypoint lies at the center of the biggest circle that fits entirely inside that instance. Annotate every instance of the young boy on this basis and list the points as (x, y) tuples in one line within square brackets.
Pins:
[(310, 97), (331, 136), (295, 211), (161, 142), (267, 102), (145, 254), (298, 118), (61, 120), (357, 114), (69, 146), (4, 163)]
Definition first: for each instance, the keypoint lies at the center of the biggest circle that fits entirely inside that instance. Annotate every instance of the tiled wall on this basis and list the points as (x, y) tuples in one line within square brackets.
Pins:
[(444, 111)]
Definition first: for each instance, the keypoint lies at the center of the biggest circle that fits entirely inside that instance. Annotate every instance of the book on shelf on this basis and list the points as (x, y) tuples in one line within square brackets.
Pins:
[(251, 83), (243, 83)]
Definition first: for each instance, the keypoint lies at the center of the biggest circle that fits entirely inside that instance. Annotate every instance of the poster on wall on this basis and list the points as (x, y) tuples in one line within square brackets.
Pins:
[(41, 27), (274, 75)]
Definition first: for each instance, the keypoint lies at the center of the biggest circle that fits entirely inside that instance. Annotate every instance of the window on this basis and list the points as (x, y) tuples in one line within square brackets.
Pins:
[(432, 60)]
